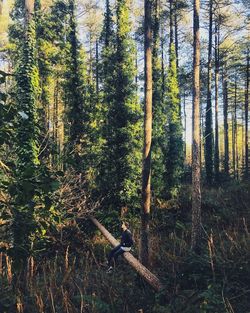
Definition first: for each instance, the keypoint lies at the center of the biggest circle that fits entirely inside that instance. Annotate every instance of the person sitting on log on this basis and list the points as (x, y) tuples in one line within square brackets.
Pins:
[(124, 246)]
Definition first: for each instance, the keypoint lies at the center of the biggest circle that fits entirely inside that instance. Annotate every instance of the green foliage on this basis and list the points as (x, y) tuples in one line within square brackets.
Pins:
[(122, 129), (174, 152), (159, 111)]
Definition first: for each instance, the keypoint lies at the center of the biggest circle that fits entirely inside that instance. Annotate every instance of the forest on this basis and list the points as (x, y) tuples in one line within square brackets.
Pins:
[(124, 130)]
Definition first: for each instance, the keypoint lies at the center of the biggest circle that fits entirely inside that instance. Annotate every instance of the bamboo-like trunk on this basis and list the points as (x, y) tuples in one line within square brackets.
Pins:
[(141, 269)]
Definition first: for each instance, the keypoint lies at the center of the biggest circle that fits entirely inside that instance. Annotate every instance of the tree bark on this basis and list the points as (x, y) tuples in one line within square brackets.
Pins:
[(208, 123), (146, 170), (176, 35), (142, 270), (1, 7), (246, 118), (225, 117), (196, 192), (171, 17), (97, 67), (216, 146)]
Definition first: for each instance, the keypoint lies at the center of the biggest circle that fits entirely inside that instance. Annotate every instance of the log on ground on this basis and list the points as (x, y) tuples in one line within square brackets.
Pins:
[(141, 269)]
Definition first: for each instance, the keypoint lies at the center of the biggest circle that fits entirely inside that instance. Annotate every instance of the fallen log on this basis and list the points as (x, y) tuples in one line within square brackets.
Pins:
[(141, 269)]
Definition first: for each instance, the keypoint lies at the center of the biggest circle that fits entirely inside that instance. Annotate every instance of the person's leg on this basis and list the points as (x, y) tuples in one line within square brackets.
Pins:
[(112, 253), (118, 252)]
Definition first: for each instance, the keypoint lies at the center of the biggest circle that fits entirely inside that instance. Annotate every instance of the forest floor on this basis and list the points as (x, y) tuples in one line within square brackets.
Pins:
[(71, 275)]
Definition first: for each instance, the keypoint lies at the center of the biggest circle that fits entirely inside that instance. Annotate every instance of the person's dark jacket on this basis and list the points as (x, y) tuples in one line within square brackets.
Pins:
[(126, 239)]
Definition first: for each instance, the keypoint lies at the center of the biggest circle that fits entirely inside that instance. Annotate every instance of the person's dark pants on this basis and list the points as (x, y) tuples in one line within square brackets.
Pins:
[(113, 255)]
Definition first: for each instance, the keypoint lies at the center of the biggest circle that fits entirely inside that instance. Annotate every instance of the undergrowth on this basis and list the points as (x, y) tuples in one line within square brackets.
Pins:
[(71, 275)]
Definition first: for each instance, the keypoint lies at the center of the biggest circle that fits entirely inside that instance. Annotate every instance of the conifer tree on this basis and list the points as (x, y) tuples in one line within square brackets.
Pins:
[(174, 153), (74, 97), (208, 123), (146, 166), (159, 114), (122, 129), (196, 191)]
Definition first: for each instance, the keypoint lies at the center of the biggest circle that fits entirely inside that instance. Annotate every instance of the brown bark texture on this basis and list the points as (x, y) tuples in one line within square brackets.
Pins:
[(146, 170), (196, 192), (246, 118)]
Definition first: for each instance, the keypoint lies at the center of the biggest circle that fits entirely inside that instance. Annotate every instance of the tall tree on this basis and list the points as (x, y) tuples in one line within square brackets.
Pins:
[(159, 113), (208, 121), (225, 120), (27, 133), (196, 191), (74, 92), (246, 116), (174, 153), (216, 142), (146, 170), (122, 122)]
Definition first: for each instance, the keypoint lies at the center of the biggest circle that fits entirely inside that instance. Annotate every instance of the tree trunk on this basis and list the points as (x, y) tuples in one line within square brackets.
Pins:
[(216, 146), (246, 118), (171, 17), (146, 170), (176, 36), (142, 270), (196, 192), (1, 7), (236, 163), (225, 117), (185, 127), (97, 67), (208, 123)]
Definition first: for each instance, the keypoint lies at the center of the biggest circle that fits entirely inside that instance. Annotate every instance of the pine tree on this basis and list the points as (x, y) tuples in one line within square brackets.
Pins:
[(196, 191), (146, 166), (209, 123)]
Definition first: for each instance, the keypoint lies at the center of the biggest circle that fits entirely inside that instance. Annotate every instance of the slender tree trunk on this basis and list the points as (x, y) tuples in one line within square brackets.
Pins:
[(216, 147), (225, 117), (97, 67), (208, 123), (136, 68), (196, 192), (162, 66), (233, 143), (185, 127), (171, 17), (242, 142), (176, 35), (236, 133), (246, 118), (146, 171), (1, 7)]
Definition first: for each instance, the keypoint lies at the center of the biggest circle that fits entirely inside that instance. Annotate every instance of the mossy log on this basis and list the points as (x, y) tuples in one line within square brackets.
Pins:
[(141, 269)]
